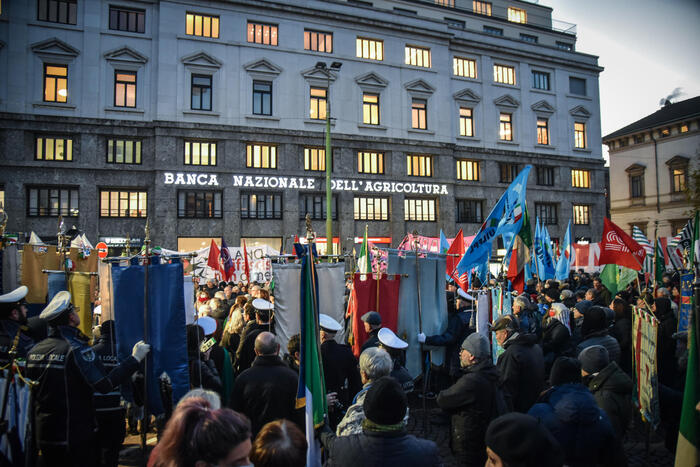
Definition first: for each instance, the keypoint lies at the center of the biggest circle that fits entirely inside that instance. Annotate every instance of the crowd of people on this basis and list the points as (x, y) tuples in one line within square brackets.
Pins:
[(559, 393)]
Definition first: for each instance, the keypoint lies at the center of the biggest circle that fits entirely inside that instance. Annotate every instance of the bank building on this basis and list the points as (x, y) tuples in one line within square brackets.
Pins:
[(209, 118)]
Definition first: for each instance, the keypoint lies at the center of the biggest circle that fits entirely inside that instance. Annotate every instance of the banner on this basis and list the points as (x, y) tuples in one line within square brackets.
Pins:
[(646, 386), (79, 288), (260, 266), (483, 313), (686, 306), (431, 244), (105, 274), (501, 305)]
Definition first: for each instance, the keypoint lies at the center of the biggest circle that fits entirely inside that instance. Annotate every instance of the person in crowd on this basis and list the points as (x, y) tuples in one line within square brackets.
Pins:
[(521, 365), (666, 345), (529, 322), (13, 323), (229, 297), (567, 298), (267, 390), (210, 287), (64, 411), (246, 349), (218, 310), (622, 331), (578, 311), (664, 292), (204, 310), (473, 401), (556, 337), (604, 296), (383, 439), (291, 358), (374, 363), (450, 339), (520, 440), (233, 327), (279, 444), (373, 323), (550, 295), (199, 435), (395, 347), (570, 413), (202, 370), (594, 331), (611, 386)]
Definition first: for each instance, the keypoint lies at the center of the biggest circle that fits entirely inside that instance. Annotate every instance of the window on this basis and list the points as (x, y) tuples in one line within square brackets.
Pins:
[(579, 135), (504, 74), (516, 15), (577, 86), (120, 151), (580, 178), (449, 3), (506, 127), (370, 162), (469, 211), (540, 80), (547, 212), (55, 83), (371, 209), (419, 114), (371, 49), (315, 159), (318, 41), (125, 89), (418, 209), (624, 142), (679, 179), (261, 206), (260, 33), (261, 156), (126, 19), (507, 171), (528, 38), (493, 31), (419, 166), (262, 98), (52, 201), (638, 139), (565, 46), (370, 109), (200, 153), (317, 103), (123, 203), (315, 206), (582, 214), (542, 131), (666, 132), (466, 123), (468, 170), (455, 23), (201, 92), (417, 56), (54, 149), (199, 204), (202, 25), (58, 11), (481, 8), (465, 67), (637, 185), (683, 128), (545, 176)]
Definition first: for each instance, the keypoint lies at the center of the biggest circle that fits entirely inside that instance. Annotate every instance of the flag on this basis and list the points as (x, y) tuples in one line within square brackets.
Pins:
[(648, 265), (659, 264), (311, 391), (687, 449), (624, 278), (364, 262), (213, 260), (545, 263), (695, 245), (246, 264), (444, 245), (617, 247), (457, 248), (609, 276), (567, 257), (520, 254), (226, 260)]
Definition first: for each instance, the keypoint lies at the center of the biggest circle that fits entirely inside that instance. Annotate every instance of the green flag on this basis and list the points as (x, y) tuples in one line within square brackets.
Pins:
[(659, 264), (364, 260), (626, 276), (609, 276), (689, 432)]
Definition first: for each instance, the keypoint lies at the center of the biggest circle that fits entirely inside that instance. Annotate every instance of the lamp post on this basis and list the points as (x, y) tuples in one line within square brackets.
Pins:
[(334, 67)]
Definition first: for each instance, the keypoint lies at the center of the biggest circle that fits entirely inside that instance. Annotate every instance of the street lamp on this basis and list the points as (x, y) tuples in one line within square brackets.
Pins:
[(334, 67)]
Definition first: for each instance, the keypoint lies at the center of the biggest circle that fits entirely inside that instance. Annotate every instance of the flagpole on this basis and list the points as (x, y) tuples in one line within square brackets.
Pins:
[(144, 425), (426, 373)]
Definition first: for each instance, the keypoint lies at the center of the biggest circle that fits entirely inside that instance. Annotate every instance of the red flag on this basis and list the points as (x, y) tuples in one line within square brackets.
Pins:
[(213, 260), (457, 248), (519, 256), (617, 247), (363, 298), (246, 265)]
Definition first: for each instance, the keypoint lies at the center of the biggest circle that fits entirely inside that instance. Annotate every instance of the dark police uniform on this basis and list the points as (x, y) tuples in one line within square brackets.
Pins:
[(8, 331), (339, 364)]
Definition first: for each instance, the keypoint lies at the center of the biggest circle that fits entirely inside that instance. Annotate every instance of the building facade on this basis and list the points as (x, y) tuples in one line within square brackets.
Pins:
[(209, 117), (651, 161)]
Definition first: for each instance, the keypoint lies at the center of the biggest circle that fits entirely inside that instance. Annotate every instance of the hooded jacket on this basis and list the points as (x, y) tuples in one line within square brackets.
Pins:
[(521, 369), (612, 389)]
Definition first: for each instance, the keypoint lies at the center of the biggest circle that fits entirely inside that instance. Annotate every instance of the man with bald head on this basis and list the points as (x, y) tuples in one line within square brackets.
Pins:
[(267, 390)]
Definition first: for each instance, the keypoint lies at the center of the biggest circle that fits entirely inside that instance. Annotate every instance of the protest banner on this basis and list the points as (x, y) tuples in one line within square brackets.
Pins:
[(646, 386), (686, 306)]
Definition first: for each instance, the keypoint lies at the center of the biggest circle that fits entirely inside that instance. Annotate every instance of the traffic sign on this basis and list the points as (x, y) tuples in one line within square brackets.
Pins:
[(101, 249)]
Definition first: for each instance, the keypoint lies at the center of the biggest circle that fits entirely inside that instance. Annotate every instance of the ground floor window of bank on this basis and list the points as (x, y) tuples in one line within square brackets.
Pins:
[(371, 209), (199, 204), (469, 211), (52, 202), (123, 203), (547, 213), (261, 206), (315, 206), (418, 209)]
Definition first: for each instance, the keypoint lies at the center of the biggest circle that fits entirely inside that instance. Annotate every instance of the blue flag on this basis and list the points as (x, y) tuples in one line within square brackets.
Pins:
[(545, 263), (566, 258), (226, 259)]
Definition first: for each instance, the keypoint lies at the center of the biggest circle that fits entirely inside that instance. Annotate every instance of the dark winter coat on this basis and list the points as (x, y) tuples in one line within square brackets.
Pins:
[(530, 321), (451, 339), (571, 415), (521, 369), (666, 344), (203, 374), (473, 402), (556, 340), (372, 340), (339, 365), (612, 389), (622, 331), (246, 348), (601, 337)]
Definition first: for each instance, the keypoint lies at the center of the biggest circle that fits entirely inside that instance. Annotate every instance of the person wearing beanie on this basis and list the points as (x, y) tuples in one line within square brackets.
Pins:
[(567, 298), (556, 337), (517, 439), (595, 332), (529, 322), (578, 311), (565, 370), (665, 346), (384, 439), (473, 401)]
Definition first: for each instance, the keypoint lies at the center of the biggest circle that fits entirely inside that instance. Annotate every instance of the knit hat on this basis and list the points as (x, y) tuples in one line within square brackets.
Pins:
[(552, 293), (583, 306), (565, 370), (593, 320), (594, 358), (385, 402), (476, 344), (519, 439)]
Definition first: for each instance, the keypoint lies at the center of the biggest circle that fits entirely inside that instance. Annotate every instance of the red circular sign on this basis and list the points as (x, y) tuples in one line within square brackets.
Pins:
[(101, 249)]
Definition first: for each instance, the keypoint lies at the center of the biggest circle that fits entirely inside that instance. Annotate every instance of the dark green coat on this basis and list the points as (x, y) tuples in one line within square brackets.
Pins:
[(612, 389)]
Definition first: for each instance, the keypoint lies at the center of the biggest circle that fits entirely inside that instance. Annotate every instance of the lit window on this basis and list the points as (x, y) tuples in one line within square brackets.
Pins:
[(370, 109), (202, 25), (371, 49), (418, 56), (262, 98), (120, 151), (201, 92), (468, 170), (542, 131), (680, 178), (577, 86), (318, 41), (545, 176), (540, 80), (261, 206), (449, 3), (469, 211), (466, 123), (125, 89), (504, 74), (582, 214), (507, 172), (580, 178), (371, 209), (465, 67), (684, 128), (516, 15), (260, 33), (315, 159), (55, 83), (199, 204), (481, 8), (54, 149), (200, 153), (419, 209), (370, 162), (547, 212), (126, 19), (261, 156), (666, 132), (579, 135), (315, 206), (506, 127), (419, 119), (58, 11), (419, 166), (123, 203), (317, 103), (52, 201)]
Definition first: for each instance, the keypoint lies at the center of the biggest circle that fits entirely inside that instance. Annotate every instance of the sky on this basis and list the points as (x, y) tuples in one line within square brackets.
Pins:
[(647, 47)]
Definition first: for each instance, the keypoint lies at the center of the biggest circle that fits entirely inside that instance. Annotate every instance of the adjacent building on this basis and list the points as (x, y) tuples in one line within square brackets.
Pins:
[(208, 117)]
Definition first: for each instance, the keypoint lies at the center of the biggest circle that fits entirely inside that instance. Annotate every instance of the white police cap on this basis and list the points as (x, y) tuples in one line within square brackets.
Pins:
[(57, 305), (208, 324), (388, 338), (15, 296), (328, 323), (262, 304)]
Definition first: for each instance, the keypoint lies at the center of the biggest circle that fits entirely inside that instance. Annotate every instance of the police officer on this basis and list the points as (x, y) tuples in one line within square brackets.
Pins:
[(373, 322), (13, 322), (68, 372), (395, 348)]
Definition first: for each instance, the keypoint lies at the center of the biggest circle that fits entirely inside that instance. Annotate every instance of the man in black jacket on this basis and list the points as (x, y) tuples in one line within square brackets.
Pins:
[(13, 323), (474, 400), (246, 349), (373, 323)]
